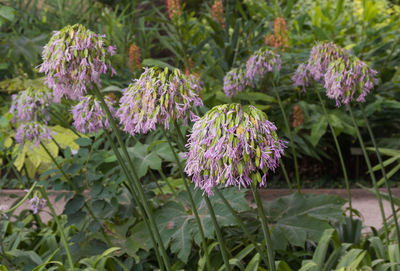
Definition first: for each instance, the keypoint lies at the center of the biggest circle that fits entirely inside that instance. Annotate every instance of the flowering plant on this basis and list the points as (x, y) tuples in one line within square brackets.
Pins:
[(231, 145)]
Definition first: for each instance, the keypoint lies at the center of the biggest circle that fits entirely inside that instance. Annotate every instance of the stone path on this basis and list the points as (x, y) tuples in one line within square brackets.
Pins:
[(364, 201)]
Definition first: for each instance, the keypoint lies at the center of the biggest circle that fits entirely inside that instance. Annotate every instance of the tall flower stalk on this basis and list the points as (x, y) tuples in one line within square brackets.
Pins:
[(258, 66), (394, 212), (238, 146), (161, 97), (73, 61)]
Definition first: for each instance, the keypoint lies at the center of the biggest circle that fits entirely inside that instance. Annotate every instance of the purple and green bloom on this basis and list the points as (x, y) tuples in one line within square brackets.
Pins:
[(37, 204), (33, 131), (73, 61), (31, 105), (344, 76), (233, 146), (258, 65), (88, 115), (158, 97)]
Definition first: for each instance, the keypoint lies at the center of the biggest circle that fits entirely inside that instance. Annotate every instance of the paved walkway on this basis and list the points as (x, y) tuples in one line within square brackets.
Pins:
[(364, 201)]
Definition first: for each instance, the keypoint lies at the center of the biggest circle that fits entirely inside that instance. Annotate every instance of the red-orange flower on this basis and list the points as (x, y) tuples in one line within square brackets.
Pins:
[(134, 57), (298, 117), (218, 12), (279, 38), (174, 8)]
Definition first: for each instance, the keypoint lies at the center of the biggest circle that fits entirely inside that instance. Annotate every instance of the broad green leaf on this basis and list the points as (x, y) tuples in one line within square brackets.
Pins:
[(65, 137), (318, 129), (157, 62), (352, 258), (144, 160), (301, 217), (177, 223), (255, 96), (254, 263)]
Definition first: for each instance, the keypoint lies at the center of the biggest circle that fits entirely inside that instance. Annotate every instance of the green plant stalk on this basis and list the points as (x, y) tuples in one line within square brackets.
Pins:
[(13, 208), (259, 249), (292, 147), (156, 182), (60, 228), (346, 179), (194, 207), (76, 191), (371, 173), (135, 197), (286, 175), (219, 234), (135, 178), (371, 134), (167, 182), (265, 228)]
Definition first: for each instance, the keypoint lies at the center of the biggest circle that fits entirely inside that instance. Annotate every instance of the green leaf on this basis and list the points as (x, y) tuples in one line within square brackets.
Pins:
[(83, 141), (301, 217), (177, 223), (318, 130), (254, 263), (156, 62), (255, 96), (74, 204), (144, 160), (351, 259)]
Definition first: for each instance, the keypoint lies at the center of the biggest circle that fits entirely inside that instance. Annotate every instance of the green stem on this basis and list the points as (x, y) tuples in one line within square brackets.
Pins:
[(265, 228), (371, 134), (286, 175), (60, 228), (156, 182), (220, 238), (167, 182), (296, 167), (13, 208), (135, 178), (135, 197), (194, 207), (70, 182), (346, 179), (371, 173), (259, 249)]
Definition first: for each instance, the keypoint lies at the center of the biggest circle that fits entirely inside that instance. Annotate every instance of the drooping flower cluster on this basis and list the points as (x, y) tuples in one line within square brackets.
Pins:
[(158, 97), (174, 9), (134, 57), (235, 81), (260, 63), (31, 105), (257, 66), (37, 204), (279, 38), (73, 61), (233, 146), (344, 76), (33, 131), (31, 110), (89, 116), (217, 10)]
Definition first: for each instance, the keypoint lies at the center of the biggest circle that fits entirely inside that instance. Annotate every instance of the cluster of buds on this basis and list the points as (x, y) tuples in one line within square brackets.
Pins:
[(33, 131), (218, 12), (298, 117), (31, 105), (2, 212), (31, 110), (37, 204), (174, 9), (279, 39), (158, 97), (258, 65), (88, 115), (73, 61), (134, 57), (233, 146), (343, 76)]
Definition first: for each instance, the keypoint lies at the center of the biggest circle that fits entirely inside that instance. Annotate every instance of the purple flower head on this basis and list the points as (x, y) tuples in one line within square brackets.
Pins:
[(31, 105), (73, 61), (342, 75), (37, 204), (88, 115), (158, 97), (234, 146), (235, 81), (257, 66), (33, 131), (260, 63)]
